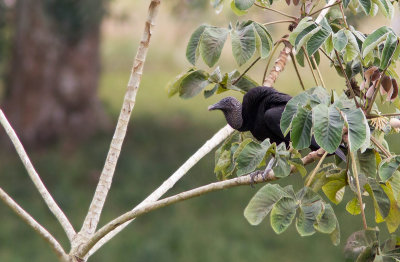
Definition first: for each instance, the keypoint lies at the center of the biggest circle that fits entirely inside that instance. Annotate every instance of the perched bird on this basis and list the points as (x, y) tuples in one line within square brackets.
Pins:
[(260, 114)]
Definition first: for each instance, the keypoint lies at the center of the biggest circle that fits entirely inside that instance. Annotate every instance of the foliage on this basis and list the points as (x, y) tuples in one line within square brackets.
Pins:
[(351, 120)]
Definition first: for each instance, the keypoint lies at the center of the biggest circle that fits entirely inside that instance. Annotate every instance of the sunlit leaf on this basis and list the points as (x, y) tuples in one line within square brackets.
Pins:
[(357, 133), (301, 128), (265, 40), (388, 50), (374, 39), (305, 35), (334, 190), (353, 207)]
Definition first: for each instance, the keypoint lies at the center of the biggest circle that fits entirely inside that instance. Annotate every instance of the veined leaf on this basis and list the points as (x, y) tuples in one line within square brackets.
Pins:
[(374, 39), (380, 199), (301, 128), (317, 40), (236, 10), (305, 35), (366, 6), (262, 202), (291, 110), (357, 133), (393, 219), (193, 83), (265, 40), (244, 4), (243, 43), (304, 23), (334, 190), (192, 50), (308, 215), (353, 207), (388, 167), (328, 125), (211, 44), (250, 157), (326, 223), (388, 50), (340, 40), (282, 214), (386, 7)]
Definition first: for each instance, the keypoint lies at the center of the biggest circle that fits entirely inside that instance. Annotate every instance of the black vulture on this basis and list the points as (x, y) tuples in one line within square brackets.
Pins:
[(260, 114)]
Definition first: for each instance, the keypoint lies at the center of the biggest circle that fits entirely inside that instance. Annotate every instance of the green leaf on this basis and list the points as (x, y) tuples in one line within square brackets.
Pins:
[(366, 163), (351, 50), (374, 39), (262, 202), (328, 126), (304, 23), (244, 4), (282, 214), (357, 132), (211, 44), (334, 190), (236, 10), (388, 167), (353, 207), (300, 57), (193, 83), (301, 128), (174, 85), (307, 218), (305, 35), (340, 40), (366, 6), (317, 40), (282, 167), (388, 50), (329, 44), (380, 199), (393, 219), (327, 223), (192, 50), (250, 157), (265, 40), (246, 83), (243, 43), (291, 110), (346, 3), (385, 7)]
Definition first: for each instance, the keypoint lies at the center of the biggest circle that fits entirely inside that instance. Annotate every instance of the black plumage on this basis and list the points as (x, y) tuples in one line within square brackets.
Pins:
[(260, 114)]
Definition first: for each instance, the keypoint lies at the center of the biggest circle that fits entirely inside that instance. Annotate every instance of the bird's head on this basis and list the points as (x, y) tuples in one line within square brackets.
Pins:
[(232, 110)]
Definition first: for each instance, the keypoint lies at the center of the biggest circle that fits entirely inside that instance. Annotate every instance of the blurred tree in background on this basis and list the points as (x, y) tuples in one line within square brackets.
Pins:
[(55, 58)]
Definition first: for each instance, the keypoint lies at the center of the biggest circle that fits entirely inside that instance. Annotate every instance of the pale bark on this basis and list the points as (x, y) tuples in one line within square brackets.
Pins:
[(93, 216), (34, 224), (50, 202)]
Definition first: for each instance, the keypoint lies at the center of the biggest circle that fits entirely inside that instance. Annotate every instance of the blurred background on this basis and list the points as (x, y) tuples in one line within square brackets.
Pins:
[(64, 66)]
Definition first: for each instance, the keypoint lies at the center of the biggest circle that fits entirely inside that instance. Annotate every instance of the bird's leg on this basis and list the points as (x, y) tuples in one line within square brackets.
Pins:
[(265, 173), (271, 163)]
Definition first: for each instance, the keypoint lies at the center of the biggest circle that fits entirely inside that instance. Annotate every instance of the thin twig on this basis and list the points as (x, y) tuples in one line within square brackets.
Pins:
[(279, 65), (278, 22), (355, 173), (297, 71), (347, 79), (319, 73), (381, 147), (104, 184), (323, 51), (344, 17), (29, 220), (143, 209), (310, 179), (247, 70), (382, 115), (325, 7), (48, 199), (219, 137), (276, 11), (310, 65)]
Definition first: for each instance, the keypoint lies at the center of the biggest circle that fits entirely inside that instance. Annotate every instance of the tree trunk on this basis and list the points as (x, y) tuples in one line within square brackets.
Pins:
[(51, 91)]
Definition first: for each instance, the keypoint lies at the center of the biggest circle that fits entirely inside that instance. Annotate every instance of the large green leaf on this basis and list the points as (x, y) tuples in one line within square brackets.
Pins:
[(327, 223), (380, 199), (366, 6), (385, 7), (357, 132), (192, 50), (305, 35), (244, 4), (308, 217), (174, 85), (250, 157), (340, 40), (262, 202), (301, 128), (374, 39), (291, 110), (317, 40), (193, 83), (282, 214), (265, 38), (328, 126), (304, 23), (243, 43), (366, 163), (388, 50), (353, 207), (211, 44), (334, 190), (388, 167), (351, 50)]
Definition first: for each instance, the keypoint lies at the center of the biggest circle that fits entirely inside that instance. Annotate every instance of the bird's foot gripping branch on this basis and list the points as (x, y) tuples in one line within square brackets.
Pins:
[(342, 124)]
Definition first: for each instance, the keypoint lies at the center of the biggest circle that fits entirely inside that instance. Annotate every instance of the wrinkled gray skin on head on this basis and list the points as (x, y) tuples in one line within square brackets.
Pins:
[(232, 110)]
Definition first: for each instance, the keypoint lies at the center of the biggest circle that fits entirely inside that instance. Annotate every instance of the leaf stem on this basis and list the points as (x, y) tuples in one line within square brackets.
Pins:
[(323, 51), (316, 169), (247, 70), (381, 147), (276, 11), (355, 173), (344, 17), (347, 80), (381, 115), (310, 65), (319, 73), (328, 6), (278, 22), (297, 71)]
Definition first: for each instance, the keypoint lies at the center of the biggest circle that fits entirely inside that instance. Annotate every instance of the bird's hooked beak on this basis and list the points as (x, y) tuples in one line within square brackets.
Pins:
[(214, 106)]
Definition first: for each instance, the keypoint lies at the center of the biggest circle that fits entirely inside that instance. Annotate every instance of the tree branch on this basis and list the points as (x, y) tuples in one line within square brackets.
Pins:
[(276, 11), (48, 199), (95, 209), (219, 137), (34, 224), (279, 65), (310, 65), (150, 206)]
